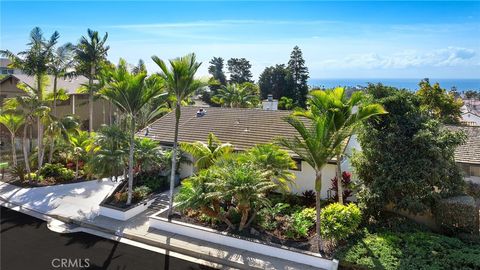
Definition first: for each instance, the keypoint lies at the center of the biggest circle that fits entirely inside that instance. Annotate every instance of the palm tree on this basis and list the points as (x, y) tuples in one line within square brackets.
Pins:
[(205, 154), (247, 186), (276, 164), (129, 92), (79, 143), (348, 114), (90, 53), (12, 122), (34, 62), (109, 155), (180, 82), (61, 62), (30, 107), (235, 96), (322, 134), (60, 127)]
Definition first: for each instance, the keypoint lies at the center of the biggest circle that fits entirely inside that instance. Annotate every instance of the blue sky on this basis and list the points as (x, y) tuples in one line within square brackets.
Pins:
[(339, 39)]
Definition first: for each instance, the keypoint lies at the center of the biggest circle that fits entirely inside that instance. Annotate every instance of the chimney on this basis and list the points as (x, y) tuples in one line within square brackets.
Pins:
[(270, 104)]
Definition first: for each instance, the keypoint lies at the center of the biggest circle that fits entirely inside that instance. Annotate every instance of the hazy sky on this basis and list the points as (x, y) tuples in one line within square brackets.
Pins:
[(339, 39)]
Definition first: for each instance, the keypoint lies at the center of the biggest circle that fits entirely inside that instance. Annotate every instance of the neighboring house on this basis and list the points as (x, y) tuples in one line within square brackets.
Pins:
[(467, 155), (470, 119), (77, 103), (243, 128), (5, 69)]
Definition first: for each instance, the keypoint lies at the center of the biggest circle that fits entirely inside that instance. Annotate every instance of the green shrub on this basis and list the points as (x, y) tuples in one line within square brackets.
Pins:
[(266, 215), (141, 192), (339, 221), (473, 189), (34, 176), (299, 223), (391, 250), (457, 214), (57, 171)]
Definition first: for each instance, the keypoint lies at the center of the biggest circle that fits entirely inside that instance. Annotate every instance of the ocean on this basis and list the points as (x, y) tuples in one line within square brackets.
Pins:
[(410, 84)]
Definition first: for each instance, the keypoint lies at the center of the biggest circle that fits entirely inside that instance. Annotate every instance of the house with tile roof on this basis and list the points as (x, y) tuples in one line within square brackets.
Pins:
[(243, 128), (467, 155), (76, 104)]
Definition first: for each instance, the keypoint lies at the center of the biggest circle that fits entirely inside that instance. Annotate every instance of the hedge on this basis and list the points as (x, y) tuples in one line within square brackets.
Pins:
[(458, 215)]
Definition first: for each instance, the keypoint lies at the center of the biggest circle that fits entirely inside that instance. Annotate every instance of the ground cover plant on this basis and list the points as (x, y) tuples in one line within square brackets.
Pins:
[(395, 243)]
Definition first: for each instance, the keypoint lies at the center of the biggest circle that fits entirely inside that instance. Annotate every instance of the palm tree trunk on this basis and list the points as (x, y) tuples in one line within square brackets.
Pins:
[(55, 95), (318, 190), (52, 148), (25, 152), (90, 99), (174, 159), (339, 179), (39, 125), (14, 152), (54, 105), (130, 162)]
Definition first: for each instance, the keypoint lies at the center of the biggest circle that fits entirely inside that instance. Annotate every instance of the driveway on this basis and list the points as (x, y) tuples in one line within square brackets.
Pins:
[(77, 201)]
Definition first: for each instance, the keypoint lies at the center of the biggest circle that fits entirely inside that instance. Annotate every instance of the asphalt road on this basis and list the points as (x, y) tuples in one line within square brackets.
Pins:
[(26, 244)]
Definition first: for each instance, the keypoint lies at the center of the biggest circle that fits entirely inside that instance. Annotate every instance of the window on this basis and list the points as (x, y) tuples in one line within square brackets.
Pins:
[(474, 170), (298, 164)]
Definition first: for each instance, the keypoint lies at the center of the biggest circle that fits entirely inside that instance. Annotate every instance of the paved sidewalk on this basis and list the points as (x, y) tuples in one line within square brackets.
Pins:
[(79, 203), (137, 229), (76, 201)]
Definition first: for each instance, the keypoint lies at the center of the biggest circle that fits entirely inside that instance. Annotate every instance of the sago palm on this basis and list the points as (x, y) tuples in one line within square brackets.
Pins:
[(205, 154), (12, 122), (130, 94), (180, 82), (90, 52), (275, 163)]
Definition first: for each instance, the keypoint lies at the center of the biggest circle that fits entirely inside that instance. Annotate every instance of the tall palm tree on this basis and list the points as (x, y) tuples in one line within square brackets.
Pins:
[(347, 113), (12, 122), (129, 92), (235, 96), (180, 82), (90, 52), (60, 65), (34, 62), (322, 133), (205, 154), (31, 108)]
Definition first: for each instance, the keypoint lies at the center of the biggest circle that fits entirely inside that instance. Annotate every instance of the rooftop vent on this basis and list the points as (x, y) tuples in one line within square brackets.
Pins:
[(201, 112)]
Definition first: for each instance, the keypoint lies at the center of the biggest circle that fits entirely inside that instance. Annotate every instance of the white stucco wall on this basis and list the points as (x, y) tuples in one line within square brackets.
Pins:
[(305, 179), (471, 118)]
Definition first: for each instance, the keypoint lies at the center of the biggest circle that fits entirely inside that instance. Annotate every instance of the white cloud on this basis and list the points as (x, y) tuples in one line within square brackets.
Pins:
[(446, 57)]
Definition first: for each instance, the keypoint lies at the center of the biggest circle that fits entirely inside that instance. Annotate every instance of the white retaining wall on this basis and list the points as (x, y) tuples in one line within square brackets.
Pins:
[(213, 236)]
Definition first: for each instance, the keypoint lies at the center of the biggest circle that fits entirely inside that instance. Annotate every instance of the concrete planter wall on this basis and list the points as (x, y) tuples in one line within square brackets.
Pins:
[(124, 213), (217, 237)]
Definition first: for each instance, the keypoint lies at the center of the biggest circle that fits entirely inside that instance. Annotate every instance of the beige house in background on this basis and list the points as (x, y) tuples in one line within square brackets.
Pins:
[(77, 104)]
